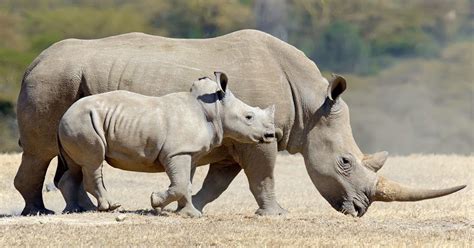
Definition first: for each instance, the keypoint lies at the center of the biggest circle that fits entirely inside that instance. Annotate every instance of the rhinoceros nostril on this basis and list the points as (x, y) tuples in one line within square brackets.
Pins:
[(269, 135)]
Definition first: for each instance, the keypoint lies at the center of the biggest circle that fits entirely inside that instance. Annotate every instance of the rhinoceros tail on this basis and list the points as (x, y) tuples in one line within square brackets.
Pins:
[(62, 165)]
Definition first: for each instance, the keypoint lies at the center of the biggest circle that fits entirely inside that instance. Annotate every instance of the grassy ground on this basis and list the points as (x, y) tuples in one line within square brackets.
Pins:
[(229, 221)]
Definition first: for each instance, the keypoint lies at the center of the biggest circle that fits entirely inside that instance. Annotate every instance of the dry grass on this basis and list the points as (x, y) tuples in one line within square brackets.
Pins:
[(229, 221)]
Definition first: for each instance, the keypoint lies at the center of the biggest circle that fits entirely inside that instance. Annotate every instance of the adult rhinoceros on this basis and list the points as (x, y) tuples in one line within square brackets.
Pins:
[(310, 118)]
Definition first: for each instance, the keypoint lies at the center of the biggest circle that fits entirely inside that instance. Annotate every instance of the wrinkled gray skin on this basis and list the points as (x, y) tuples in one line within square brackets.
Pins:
[(311, 117), (153, 134)]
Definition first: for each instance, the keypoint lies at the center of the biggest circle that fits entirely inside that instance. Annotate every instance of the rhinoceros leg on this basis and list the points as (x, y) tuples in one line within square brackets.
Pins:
[(83, 200), (179, 172), (216, 182), (182, 202), (69, 187), (258, 162), (29, 182), (94, 184)]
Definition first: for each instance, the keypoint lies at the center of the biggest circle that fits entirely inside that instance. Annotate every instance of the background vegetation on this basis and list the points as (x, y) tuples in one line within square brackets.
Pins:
[(409, 61)]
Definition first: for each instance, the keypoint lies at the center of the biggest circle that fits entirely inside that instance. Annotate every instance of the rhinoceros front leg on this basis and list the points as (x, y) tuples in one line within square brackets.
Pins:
[(178, 170), (182, 202), (258, 162), (216, 182)]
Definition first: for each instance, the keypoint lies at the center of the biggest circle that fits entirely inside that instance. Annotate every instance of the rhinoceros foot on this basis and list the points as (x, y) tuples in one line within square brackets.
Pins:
[(106, 205), (157, 199), (274, 210), (189, 211), (33, 210), (73, 209)]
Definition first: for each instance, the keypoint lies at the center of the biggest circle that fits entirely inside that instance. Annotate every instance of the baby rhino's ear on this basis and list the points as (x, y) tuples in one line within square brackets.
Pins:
[(221, 80), (271, 111)]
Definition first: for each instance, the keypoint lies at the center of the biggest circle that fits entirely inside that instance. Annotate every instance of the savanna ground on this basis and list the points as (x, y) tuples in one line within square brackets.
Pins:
[(229, 221)]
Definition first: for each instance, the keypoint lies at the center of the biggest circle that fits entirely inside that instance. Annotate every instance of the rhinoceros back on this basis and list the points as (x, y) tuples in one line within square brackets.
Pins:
[(149, 65)]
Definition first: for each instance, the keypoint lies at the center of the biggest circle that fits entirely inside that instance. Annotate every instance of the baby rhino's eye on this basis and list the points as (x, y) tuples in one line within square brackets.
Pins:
[(249, 116)]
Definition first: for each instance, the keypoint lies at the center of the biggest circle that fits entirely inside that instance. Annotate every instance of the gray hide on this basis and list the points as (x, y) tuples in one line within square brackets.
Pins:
[(311, 117), (153, 134)]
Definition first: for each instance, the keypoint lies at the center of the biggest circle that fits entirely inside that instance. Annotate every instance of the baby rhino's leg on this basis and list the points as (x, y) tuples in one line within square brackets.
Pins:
[(94, 184), (178, 170), (182, 202)]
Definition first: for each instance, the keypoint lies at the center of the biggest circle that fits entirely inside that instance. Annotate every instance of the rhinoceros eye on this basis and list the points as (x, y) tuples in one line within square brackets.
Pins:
[(249, 116), (346, 161), (345, 164)]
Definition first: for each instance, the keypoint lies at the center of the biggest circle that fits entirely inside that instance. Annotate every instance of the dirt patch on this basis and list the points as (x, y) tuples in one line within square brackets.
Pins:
[(229, 221)]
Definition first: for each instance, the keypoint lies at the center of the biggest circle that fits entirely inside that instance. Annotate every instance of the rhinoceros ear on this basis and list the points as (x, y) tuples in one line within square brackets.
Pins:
[(337, 85), (271, 111), (221, 80)]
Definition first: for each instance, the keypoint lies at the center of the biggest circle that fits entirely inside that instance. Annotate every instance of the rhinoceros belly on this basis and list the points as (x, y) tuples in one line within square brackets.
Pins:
[(121, 161)]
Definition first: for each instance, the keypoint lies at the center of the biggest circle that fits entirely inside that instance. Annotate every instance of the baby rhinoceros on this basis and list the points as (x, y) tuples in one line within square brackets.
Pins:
[(153, 134)]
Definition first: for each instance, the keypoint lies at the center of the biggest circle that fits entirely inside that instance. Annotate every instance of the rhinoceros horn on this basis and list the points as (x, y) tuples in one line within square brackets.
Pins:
[(387, 191), (375, 161)]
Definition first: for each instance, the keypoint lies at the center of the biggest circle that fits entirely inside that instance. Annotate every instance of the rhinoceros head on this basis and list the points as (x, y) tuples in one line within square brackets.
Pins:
[(238, 120), (242, 122), (343, 175)]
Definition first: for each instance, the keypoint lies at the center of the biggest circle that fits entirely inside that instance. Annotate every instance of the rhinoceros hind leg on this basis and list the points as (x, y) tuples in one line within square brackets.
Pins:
[(216, 182), (69, 186), (84, 200), (94, 184), (73, 208), (29, 182)]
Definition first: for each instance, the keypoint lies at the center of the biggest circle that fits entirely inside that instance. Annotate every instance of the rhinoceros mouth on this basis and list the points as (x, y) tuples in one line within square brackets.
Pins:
[(353, 208), (360, 210), (264, 140)]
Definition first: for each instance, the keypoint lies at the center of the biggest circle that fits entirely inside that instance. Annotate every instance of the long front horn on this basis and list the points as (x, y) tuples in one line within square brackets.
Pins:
[(387, 191)]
